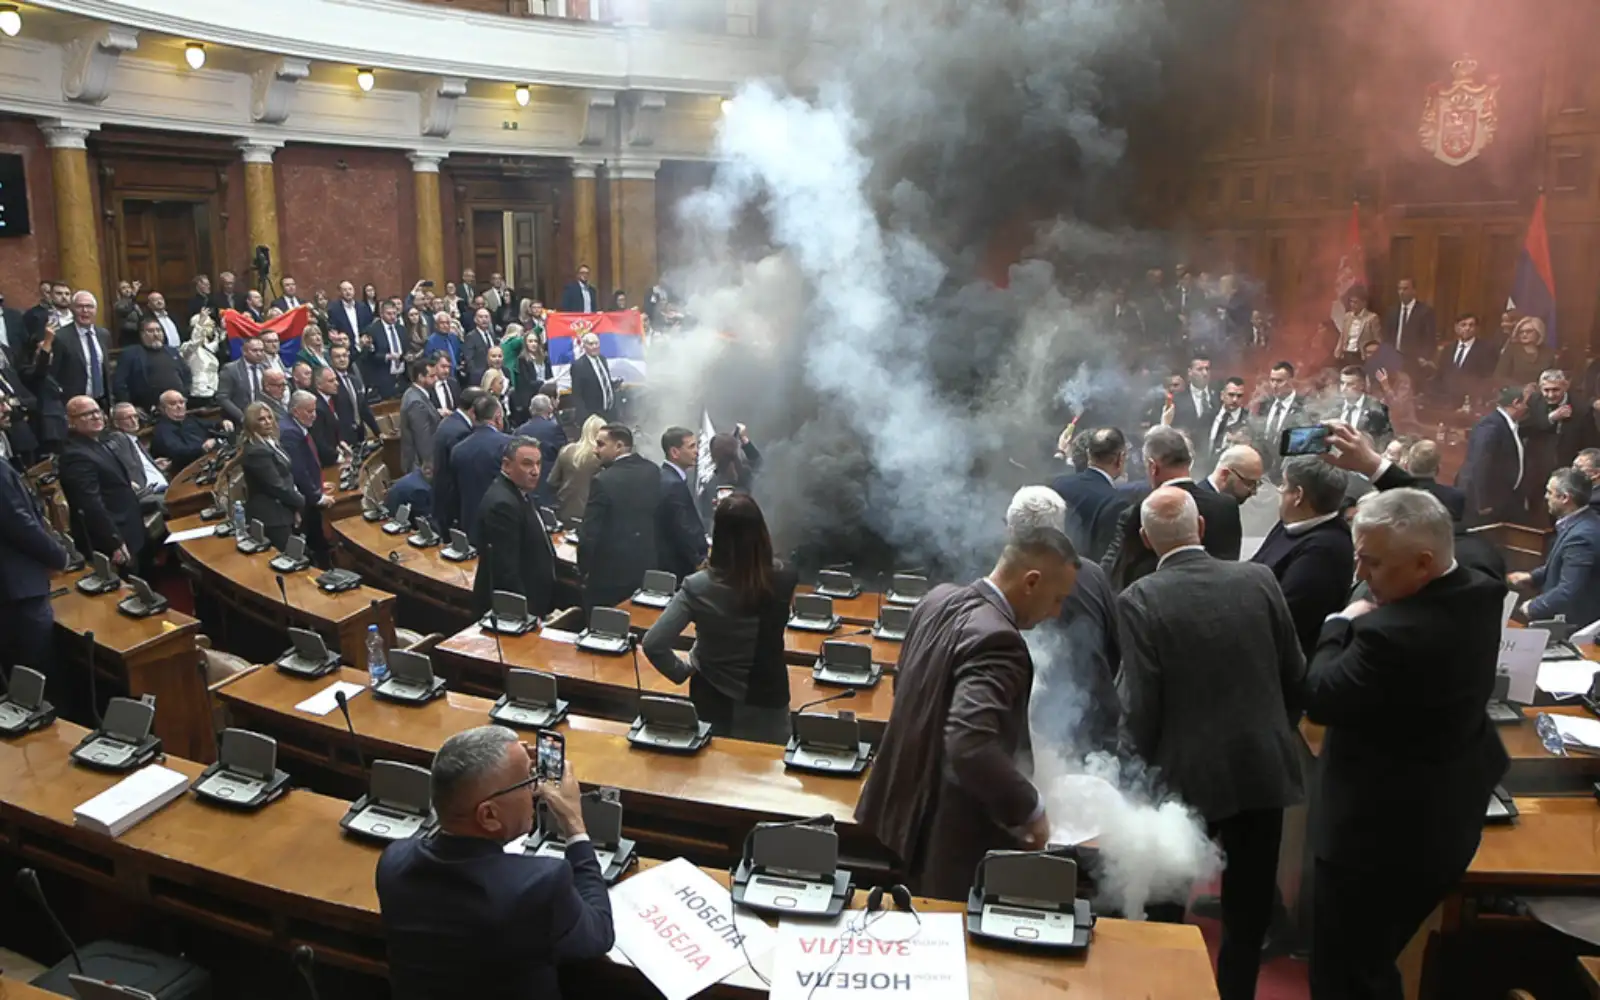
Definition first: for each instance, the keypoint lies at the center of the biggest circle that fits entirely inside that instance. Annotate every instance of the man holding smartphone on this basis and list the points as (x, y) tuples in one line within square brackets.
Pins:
[(464, 918)]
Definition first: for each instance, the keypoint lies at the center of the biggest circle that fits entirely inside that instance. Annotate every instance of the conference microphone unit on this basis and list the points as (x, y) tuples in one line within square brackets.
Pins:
[(355, 741), (28, 883), (304, 962), (283, 592), (638, 683), (826, 744), (94, 694)]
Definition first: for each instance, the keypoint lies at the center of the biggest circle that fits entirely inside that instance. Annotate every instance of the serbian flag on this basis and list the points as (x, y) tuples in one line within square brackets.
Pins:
[(288, 327), (1533, 291), (621, 343)]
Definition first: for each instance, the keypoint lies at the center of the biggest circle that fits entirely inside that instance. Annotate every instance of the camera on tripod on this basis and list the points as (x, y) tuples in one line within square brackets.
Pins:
[(263, 262)]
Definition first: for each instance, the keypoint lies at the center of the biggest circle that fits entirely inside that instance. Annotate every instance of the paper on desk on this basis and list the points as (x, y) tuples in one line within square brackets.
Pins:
[(1566, 678), (114, 811), (918, 955), (558, 635), (1520, 650), (324, 701), (204, 531), (1578, 730), (1586, 636), (1509, 606)]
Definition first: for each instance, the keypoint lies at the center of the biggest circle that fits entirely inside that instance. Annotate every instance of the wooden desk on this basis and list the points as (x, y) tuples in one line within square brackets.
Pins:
[(11, 989), (1589, 968), (799, 647), (432, 591), (605, 685), (185, 497), (287, 876), (701, 805), (859, 610), (246, 585), (155, 655), (1554, 843)]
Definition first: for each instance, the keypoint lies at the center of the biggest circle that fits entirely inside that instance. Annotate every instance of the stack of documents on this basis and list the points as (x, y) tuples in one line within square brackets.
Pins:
[(1566, 678), (1578, 732), (117, 809)]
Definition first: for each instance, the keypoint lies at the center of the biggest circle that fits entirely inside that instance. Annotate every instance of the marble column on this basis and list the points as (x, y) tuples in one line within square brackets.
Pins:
[(430, 225), (261, 203), (632, 187), (585, 231), (77, 235)]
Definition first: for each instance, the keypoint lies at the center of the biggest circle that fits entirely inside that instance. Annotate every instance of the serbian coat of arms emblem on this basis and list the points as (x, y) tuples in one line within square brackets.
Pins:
[(1459, 120)]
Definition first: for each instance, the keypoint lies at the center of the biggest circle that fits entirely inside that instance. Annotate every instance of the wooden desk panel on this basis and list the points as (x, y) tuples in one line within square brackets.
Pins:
[(186, 498), (607, 682), (1589, 969), (859, 610), (1555, 842), (155, 655), (287, 876), (11, 989), (248, 586), (706, 802), (803, 648), (434, 591)]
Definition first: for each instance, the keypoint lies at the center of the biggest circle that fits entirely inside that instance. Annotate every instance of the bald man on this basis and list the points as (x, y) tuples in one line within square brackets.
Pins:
[(182, 438), (1205, 694), (101, 498), (1237, 475)]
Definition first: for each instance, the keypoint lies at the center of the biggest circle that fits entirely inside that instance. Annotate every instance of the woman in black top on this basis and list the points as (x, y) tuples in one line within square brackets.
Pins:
[(739, 605), (734, 461), (270, 494)]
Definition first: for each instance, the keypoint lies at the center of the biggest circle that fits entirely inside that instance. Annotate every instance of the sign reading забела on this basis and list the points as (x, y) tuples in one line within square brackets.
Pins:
[(885, 955), (676, 924)]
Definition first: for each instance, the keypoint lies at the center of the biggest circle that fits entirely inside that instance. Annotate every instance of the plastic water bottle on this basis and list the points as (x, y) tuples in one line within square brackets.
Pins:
[(377, 659), (240, 526)]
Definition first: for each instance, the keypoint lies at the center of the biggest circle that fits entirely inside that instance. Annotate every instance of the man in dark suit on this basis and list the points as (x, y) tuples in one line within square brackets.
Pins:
[(1569, 581), (1309, 549), (476, 462), (415, 489), (149, 368), (78, 358), (226, 296), (543, 427), (201, 299), (1087, 493), (1197, 404), (1558, 426), (681, 536), (350, 403), (579, 296), (383, 342), (104, 505), (1399, 808), (1229, 416), (1492, 474), (349, 314), (1588, 463), (1167, 458), (1360, 410), (239, 381), (1411, 327), (1463, 366), (618, 541), (592, 384), (19, 443), (446, 490), (180, 438), (947, 786), (475, 347), (1422, 461), (1238, 474), (325, 433), (464, 918), (28, 555), (290, 299), (1212, 715), (55, 300), (419, 417), (1284, 408), (514, 550), (294, 433)]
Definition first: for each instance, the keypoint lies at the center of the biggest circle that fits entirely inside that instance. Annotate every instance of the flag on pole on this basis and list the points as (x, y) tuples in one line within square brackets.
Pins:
[(705, 468), (621, 343), (288, 327), (1533, 290), (1352, 268)]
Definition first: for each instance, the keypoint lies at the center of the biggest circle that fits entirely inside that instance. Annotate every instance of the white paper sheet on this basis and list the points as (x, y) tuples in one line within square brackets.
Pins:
[(324, 701), (141, 794), (1578, 731), (558, 635), (884, 955), (204, 531), (1566, 678)]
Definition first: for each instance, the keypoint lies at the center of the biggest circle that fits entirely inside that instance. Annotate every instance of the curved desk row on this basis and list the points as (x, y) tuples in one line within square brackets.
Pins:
[(246, 586), (606, 684), (288, 876)]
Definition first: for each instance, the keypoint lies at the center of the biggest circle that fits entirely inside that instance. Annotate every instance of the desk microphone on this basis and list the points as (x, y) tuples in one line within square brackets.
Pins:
[(633, 645), (28, 883), (94, 695), (283, 592), (344, 708), (304, 959), (841, 696)]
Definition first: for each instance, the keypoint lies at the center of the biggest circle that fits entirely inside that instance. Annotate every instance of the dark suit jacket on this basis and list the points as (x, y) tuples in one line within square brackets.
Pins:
[(1086, 494), (446, 489), (552, 439), (618, 541), (1185, 418), (24, 408), (475, 354), (1553, 444), (271, 495), (1422, 330), (572, 298), (680, 535), (339, 320), (101, 497), (1211, 713), (352, 410), (68, 366), (411, 489), (377, 361), (28, 554), (325, 434), (1473, 552), (1314, 569), (514, 551), (1453, 499), (946, 787), (303, 464), (1374, 418), (587, 390), (1489, 476), (463, 918), (233, 390), (474, 464), (1128, 558), (1452, 382), (419, 423), (1088, 713), (182, 442), (1569, 580), (1393, 793)]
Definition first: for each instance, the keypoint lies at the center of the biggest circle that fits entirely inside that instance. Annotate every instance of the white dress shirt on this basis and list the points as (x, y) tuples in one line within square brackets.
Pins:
[(1463, 348), (170, 328), (1400, 327), (1181, 548), (1518, 439), (1275, 417), (350, 311), (153, 477)]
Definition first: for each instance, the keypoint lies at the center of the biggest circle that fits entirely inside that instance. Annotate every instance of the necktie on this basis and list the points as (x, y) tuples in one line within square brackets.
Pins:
[(91, 358), (1461, 353), (255, 381), (394, 341), (349, 389), (605, 382)]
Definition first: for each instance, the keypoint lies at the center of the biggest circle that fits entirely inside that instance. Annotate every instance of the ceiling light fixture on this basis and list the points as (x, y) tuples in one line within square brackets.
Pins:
[(365, 79), (524, 95), (194, 54), (10, 19)]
